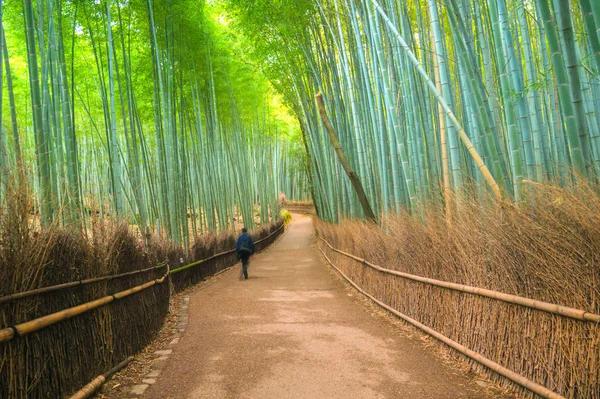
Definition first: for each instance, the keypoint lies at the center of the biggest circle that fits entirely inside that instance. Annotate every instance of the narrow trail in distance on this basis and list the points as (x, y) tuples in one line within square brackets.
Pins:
[(295, 330)]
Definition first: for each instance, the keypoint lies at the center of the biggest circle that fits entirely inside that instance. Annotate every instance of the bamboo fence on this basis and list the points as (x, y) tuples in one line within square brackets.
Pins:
[(548, 349), (72, 345), (25, 294), (501, 296), (532, 386)]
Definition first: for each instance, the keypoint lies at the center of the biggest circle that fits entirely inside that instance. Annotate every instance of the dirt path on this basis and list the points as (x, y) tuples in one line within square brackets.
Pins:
[(294, 330)]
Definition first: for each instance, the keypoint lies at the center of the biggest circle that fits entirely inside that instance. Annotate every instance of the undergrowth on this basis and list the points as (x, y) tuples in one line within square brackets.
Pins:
[(61, 358), (547, 247)]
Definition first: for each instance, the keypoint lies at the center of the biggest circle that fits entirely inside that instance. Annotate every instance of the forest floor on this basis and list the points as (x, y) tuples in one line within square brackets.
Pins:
[(294, 329)]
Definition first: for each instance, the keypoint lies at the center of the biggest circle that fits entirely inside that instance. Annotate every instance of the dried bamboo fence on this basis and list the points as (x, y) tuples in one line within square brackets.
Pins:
[(305, 208), (213, 264), (25, 294), (57, 338), (549, 349)]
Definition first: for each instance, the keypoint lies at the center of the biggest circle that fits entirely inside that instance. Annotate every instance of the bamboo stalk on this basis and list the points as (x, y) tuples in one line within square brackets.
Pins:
[(97, 382), (509, 298), (41, 134), (360, 192), (445, 169), (511, 375)]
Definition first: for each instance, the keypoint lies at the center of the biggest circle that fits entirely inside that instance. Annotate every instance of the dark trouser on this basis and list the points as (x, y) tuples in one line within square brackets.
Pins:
[(245, 258)]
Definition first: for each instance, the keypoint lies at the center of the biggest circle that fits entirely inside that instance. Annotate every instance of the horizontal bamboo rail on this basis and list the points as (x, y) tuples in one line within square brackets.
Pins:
[(97, 382), (43, 290), (501, 296), (272, 233), (511, 375), (9, 333)]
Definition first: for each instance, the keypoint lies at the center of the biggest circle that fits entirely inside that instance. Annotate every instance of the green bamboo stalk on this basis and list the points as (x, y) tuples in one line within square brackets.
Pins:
[(41, 135), (116, 163), (11, 101), (463, 136), (571, 121)]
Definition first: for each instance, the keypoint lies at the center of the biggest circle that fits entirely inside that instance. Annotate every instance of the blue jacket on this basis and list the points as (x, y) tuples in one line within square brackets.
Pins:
[(244, 241)]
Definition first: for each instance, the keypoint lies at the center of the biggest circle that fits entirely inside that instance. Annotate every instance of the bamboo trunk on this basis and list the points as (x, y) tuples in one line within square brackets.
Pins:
[(360, 192)]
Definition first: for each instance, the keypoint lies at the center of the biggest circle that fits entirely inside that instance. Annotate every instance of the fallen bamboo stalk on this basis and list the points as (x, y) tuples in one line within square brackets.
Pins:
[(9, 333), (503, 371), (97, 382), (501, 296), (43, 290)]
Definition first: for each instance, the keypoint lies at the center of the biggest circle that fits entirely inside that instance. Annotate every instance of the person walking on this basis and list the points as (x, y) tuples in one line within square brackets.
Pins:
[(244, 248)]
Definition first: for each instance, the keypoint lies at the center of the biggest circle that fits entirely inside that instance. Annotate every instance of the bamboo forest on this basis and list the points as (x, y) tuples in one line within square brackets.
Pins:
[(111, 110), (109, 106), (451, 142)]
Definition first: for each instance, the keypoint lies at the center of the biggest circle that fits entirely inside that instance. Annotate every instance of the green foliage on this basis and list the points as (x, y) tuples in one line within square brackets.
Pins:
[(184, 124), (286, 216), (518, 88)]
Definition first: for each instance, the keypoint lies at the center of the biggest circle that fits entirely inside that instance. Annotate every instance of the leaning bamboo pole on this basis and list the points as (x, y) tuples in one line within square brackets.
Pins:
[(501, 296), (503, 371), (97, 382), (354, 179)]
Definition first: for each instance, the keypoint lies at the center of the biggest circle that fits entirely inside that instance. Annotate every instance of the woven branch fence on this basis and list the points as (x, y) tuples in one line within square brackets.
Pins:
[(546, 348), (58, 336), (305, 208)]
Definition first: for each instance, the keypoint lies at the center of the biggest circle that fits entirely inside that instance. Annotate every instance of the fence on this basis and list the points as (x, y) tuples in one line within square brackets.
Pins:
[(305, 208), (549, 349), (57, 338)]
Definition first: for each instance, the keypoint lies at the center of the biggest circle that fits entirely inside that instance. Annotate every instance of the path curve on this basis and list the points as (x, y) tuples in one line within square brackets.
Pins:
[(295, 330)]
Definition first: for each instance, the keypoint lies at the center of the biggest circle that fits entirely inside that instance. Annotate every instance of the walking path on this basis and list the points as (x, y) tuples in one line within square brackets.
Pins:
[(295, 330)]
